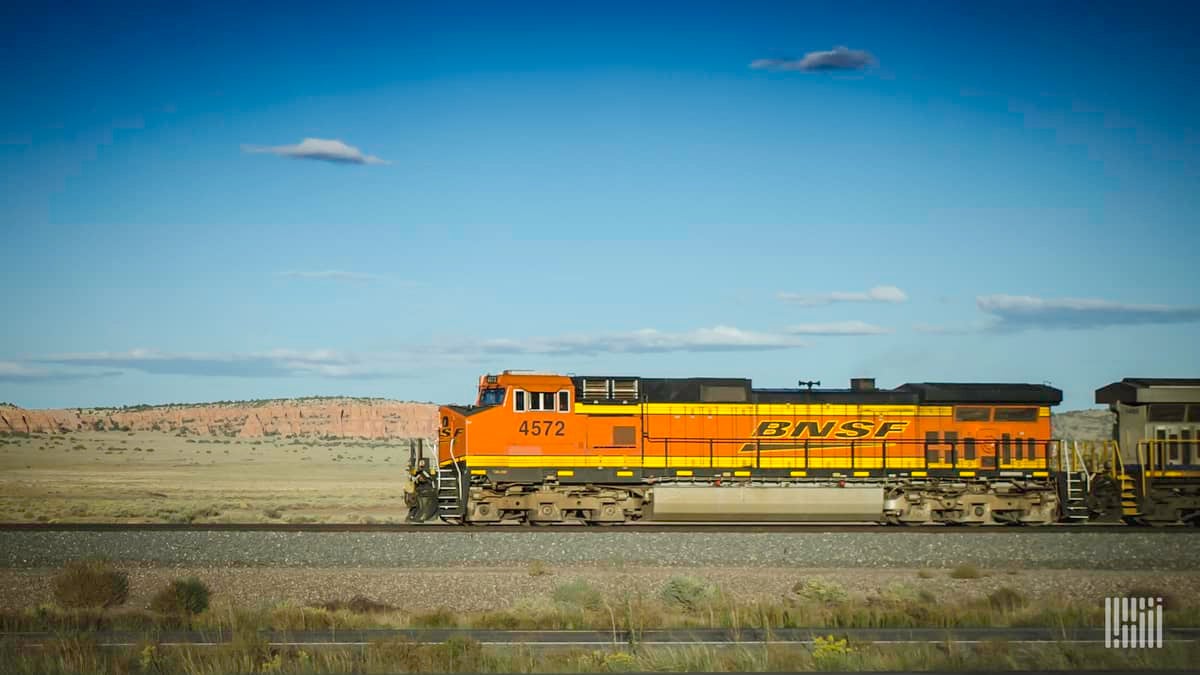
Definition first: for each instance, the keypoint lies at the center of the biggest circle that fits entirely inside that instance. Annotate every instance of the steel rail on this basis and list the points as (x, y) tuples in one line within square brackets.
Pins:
[(618, 637), (723, 527)]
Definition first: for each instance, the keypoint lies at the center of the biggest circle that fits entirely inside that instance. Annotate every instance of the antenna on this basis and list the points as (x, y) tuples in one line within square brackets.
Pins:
[(809, 384)]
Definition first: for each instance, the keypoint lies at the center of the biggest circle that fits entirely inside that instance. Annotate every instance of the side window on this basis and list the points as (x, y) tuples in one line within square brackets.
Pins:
[(1166, 412), (974, 414), (519, 400), (541, 400), (564, 401), (1016, 414)]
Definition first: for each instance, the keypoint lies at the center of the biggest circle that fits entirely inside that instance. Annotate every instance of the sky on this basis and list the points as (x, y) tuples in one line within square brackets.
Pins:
[(216, 201)]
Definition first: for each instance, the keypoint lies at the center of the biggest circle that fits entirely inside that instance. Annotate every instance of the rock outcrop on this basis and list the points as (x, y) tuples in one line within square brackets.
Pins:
[(1084, 425), (343, 418)]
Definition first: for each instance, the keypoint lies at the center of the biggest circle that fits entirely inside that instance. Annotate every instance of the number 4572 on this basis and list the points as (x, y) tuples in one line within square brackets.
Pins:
[(542, 428)]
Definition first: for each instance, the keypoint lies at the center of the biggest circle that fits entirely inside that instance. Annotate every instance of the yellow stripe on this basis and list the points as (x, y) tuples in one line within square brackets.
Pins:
[(920, 473), (566, 472), (683, 472), (688, 462), (478, 472), (741, 473), (1040, 474), (765, 409), (860, 474), (798, 473), (1172, 474), (966, 473), (624, 474)]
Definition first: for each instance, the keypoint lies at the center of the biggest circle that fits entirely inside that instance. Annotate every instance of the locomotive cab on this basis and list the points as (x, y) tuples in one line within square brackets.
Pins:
[(515, 414)]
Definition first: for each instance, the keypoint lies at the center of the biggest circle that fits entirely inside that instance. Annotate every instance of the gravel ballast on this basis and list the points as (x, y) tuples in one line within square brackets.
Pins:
[(474, 589), (1161, 550)]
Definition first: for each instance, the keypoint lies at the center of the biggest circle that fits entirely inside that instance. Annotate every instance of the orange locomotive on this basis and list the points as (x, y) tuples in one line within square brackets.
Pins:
[(544, 448)]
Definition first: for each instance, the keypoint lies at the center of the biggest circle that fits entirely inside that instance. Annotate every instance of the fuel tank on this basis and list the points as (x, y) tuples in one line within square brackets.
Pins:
[(766, 503)]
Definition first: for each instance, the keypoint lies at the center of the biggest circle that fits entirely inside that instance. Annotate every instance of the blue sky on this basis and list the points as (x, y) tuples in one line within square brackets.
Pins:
[(678, 189)]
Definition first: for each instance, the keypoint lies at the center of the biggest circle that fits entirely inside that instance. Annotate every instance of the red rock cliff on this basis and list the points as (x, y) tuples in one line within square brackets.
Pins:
[(348, 418)]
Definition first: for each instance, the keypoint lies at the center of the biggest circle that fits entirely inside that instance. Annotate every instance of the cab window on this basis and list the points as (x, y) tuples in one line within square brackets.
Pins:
[(541, 400), (492, 397)]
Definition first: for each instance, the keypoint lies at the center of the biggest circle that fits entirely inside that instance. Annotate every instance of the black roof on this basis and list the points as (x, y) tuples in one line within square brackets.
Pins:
[(1144, 382), (731, 390), (839, 396), (955, 392), (1126, 391), (689, 389)]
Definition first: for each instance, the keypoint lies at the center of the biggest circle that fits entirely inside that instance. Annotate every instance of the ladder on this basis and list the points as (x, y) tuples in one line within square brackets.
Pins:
[(1130, 504), (1077, 482), (449, 493)]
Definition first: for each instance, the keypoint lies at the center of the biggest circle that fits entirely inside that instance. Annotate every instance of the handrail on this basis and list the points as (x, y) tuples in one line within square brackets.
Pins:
[(1087, 475)]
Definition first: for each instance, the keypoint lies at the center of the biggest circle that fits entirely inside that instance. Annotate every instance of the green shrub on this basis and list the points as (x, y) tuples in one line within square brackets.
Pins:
[(578, 593), (90, 583), (1006, 599), (825, 592), (685, 592), (182, 596), (965, 572), (537, 568)]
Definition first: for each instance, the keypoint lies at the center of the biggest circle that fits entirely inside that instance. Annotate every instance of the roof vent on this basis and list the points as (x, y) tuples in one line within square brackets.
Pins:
[(862, 384)]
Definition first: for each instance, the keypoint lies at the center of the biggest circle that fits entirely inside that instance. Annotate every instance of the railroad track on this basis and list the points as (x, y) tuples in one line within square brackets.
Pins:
[(612, 638), (639, 527)]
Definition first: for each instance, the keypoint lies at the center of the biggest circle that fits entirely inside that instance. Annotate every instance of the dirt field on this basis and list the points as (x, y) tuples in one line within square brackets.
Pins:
[(136, 477)]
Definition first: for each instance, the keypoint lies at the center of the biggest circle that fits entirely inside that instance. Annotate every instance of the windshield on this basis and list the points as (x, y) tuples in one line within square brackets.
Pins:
[(491, 397)]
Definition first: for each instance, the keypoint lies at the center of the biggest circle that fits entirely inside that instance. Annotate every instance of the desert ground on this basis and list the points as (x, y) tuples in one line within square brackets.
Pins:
[(152, 477)]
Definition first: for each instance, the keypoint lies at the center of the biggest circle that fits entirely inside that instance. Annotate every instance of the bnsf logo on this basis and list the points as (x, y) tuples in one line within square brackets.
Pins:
[(848, 429)]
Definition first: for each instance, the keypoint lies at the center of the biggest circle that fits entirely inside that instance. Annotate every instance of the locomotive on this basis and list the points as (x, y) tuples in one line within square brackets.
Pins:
[(543, 448), (1149, 473)]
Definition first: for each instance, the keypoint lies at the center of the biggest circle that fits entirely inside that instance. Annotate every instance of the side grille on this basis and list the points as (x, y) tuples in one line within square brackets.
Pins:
[(595, 389), (625, 390)]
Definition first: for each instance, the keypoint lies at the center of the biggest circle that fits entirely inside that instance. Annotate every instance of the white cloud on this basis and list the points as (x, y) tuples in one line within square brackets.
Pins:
[(838, 58), (14, 371), (320, 149), (404, 360), (271, 363), (1017, 312), (837, 328), (877, 294), (649, 340)]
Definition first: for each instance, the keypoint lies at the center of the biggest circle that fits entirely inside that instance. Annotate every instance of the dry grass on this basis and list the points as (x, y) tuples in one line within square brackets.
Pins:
[(91, 584), (251, 654), (159, 477), (577, 604)]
